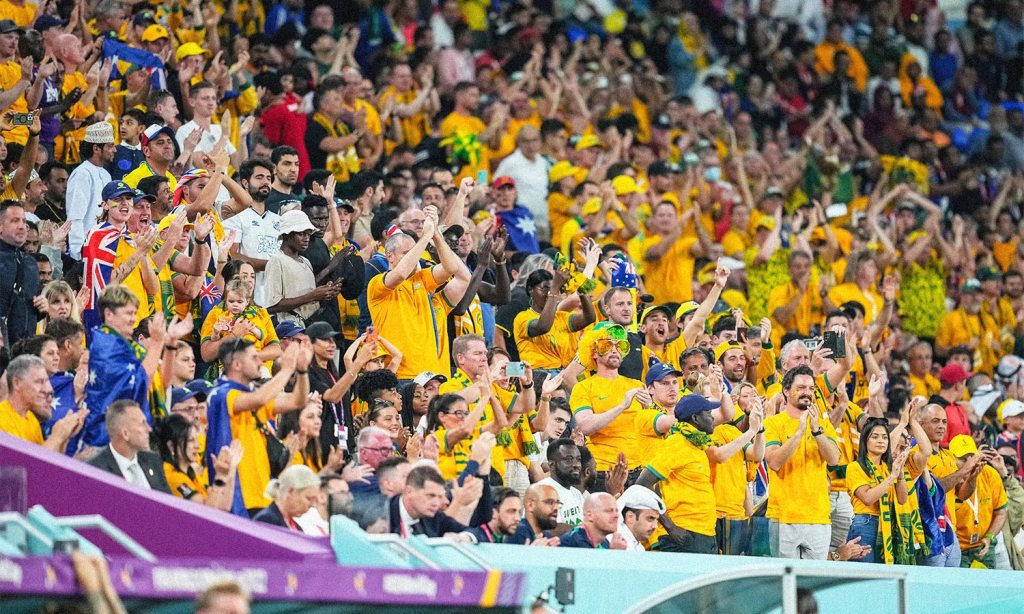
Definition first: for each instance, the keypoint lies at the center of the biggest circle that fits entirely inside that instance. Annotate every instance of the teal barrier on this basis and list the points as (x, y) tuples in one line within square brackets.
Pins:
[(611, 581)]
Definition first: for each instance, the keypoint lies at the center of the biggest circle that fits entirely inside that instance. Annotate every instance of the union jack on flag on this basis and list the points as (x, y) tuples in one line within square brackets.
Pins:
[(209, 296), (98, 256)]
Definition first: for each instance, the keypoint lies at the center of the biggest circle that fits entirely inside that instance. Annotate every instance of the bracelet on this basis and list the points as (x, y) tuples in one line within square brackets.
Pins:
[(990, 536), (302, 372), (525, 387), (761, 432), (820, 431), (219, 482), (499, 262), (868, 351), (546, 399)]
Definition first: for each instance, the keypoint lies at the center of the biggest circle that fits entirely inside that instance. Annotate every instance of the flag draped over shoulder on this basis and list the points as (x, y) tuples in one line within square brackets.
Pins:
[(63, 384), (115, 372), (98, 256), (208, 298), (218, 434)]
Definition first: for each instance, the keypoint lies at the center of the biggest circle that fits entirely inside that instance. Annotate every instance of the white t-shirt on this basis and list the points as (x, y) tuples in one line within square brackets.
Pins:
[(541, 456), (571, 512), (206, 144), (257, 238)]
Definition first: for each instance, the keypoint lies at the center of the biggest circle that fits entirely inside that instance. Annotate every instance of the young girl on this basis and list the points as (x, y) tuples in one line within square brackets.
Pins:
[(873, 481), (237, 316), (456, 428)]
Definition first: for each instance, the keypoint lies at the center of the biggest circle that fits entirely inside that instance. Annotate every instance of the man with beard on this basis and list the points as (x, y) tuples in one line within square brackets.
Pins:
[(508, 509), (1013, 286), (540, 516), (641, 510), (566, 467), (617, 304), (799, 449), (695, 363), (286, 174), (681, 469), (602, 403), (654, 326), (969, 325), (55, 177), (733, 359), (157, 144), (257, 227)]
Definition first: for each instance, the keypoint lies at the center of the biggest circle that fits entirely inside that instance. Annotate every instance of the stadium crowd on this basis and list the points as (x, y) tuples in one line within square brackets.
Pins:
[(714, 277)]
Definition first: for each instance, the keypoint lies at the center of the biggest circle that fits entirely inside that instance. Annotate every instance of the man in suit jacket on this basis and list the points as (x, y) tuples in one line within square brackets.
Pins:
[(417, 511), (128, 453)]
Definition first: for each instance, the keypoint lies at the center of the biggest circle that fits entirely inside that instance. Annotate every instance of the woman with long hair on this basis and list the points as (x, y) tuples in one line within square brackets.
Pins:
[(177, 441), (456, 428), (874, 482), (300, 431)]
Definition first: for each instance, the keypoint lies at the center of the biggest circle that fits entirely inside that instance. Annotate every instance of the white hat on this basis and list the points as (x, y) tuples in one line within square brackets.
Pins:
[(294, 221), (1010, 407), (99, 133), (640, 498)]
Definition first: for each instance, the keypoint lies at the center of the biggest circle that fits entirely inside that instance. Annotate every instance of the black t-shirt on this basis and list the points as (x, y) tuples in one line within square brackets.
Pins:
[(314, 134), (505, 318), (633, 362), (276, 199)]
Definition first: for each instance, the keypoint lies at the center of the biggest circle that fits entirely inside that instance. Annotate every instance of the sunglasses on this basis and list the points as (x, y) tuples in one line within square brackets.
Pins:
[(603, 346)]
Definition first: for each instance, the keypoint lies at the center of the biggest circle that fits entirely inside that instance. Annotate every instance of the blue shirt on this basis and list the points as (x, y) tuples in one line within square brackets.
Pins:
[(578, 538)]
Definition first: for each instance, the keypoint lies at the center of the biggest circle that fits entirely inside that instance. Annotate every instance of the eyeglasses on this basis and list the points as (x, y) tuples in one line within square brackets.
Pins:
[(551, 502), (458, 414), (382, 450), (603, 346)]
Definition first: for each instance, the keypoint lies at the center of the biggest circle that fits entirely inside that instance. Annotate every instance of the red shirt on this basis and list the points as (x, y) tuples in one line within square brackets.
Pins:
[(285, 124), (956, 423)]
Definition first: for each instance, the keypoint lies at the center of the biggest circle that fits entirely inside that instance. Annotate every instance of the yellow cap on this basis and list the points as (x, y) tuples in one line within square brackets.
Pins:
[(685, 308), (165, 223), (154, 33), (765, 222), (591, 207), (563, 169), (663, 309), (188, 50), (624, 184), (724, 347), (707, 274), (588, 140), (962, 445)]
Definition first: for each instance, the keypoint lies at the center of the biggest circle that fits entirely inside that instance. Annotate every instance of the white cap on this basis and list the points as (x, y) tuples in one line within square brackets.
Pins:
[(99, 133), (640, 498), (1010, 407)]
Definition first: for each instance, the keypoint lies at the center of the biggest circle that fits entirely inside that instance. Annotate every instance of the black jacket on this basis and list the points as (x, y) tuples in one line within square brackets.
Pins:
[(19, 283), (271, 515), (150, 462), (435, 526)]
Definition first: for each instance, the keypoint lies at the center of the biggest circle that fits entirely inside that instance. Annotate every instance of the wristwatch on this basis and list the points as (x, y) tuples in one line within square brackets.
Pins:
[(834, 555)]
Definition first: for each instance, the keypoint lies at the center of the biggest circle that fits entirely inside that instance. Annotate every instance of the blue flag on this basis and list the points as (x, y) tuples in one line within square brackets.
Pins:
[(115, 372), (218, 434), (522, 230), (63, 384)]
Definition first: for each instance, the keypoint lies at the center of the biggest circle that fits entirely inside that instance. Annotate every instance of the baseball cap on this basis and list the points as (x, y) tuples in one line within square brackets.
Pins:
[(588, 140), (638, 497), (153, 131), (773, 192), (140, 196), (953, 373), (295, 221), (660, 371), (591, 207), (724, 347), (624, 184), (663, 309), (201, 387), (7, 26), (563, 168), (962, 445), (765, 222), (45, 22), (504, 180), (662, 167), (189, 49), (288, 329), (685, 308), (692, 404), (166, 221), (154, 33), (989, 273), (454, 230), (181, 394), (116, 189), (971, 285), (341, 203), (319, 331), (426, 376), (1008, 408)]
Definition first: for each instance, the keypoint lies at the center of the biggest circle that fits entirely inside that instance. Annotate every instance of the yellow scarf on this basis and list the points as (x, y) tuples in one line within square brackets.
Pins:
[(342, 164)]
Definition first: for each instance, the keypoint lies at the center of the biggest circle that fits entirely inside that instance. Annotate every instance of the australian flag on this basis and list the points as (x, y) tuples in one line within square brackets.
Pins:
[(98, 255), (139, 57), (115, 372), (208, 298), (63, 384), (218, 434), (522, 230)]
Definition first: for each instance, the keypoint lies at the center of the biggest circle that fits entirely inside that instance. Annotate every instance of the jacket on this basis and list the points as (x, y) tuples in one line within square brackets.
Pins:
[(150, 462), (434, 526), (19, 283)]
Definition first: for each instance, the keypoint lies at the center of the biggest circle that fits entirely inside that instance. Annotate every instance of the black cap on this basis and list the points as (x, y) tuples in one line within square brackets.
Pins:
[(319, 331), (661, 167), (7, 26)]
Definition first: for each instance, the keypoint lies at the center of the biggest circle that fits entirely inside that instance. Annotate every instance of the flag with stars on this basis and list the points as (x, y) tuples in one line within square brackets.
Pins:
[(63, 384), (218, 434), (209, 296), (98, 256), (115, 372), (522, 231)]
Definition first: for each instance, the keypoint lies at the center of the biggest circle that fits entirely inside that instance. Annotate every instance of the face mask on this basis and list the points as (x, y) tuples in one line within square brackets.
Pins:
[(713, 173)]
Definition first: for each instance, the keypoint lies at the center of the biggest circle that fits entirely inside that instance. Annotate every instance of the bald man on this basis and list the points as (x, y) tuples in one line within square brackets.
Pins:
[(600, 525), (540, 516), (530, 171)]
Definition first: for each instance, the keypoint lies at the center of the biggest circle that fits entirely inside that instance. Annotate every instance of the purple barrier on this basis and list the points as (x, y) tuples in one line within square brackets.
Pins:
[(165, 525), (271, 581)]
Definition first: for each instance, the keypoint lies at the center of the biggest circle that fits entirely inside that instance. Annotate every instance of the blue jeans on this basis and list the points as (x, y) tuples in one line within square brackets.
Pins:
[(950, 557), (865, 526)]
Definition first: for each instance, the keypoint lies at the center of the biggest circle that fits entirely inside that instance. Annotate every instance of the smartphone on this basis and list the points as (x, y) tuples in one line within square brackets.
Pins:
[(481, 177), (741, 333), (812, 343), (371, 334), (835, 343), (515, 369), (23, 119)]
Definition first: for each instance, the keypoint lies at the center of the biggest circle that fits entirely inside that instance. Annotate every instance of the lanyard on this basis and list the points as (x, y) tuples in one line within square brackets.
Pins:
[(973, 504)]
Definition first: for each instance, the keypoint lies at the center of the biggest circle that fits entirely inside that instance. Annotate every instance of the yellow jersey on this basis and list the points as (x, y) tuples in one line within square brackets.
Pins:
[(598, 394), (857, 477), (554, 349), (729, 478), (406, 314), (455, 123), (685, 474), (799, 491), (870, 300), (254, 469), (974, 515), (23, 427), (668, 279)]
